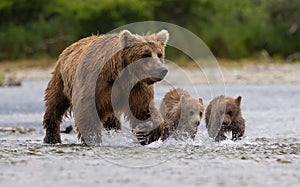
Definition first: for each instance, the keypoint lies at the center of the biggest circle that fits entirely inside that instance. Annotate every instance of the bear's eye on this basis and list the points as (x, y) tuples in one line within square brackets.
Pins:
[(147, 54), (191, 113), (159, 55), (201, 114), (230, 113)]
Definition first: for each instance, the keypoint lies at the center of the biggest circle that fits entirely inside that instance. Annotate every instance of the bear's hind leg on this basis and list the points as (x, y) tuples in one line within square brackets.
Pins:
[(56, 106)]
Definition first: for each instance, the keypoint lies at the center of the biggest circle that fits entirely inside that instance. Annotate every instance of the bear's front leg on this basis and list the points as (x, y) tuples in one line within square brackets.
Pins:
[(146, 133), (221, 135), (112, 122), (238, 128), (151, 129)]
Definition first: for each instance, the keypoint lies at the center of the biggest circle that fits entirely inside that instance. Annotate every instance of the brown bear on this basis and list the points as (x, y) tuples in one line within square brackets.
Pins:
[(101, 77), (182, 114), (223, 114)]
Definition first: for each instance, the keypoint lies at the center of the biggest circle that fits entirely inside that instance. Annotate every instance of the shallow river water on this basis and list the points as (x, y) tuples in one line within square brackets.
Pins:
[(268, 155)]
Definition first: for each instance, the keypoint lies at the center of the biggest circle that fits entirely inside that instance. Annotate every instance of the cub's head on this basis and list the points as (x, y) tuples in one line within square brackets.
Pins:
[(192, 110), (144, 55), (232, 110)]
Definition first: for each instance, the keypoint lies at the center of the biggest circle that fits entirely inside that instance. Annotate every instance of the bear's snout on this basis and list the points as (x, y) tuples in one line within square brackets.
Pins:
[(226, 122), (197, 123), (163, 72)]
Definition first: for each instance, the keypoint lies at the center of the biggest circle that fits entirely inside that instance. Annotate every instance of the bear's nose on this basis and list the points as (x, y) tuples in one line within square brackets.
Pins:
[(197, 123), (163, 72)]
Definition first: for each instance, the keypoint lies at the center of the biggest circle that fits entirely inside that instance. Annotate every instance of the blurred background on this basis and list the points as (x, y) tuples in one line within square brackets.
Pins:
[(232, 29)]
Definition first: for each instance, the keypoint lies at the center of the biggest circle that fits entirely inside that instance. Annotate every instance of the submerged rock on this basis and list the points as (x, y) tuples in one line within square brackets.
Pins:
[(9, 80), (284, 160)]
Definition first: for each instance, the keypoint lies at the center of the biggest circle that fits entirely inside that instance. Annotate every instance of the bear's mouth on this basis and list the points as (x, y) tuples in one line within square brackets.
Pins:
[(152, 80), (156, 79)]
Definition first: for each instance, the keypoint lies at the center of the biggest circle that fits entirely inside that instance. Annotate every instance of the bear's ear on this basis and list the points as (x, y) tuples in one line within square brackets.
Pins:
[(127, 39), (182, 99), (162, 37), (200, 100), (238, 100)]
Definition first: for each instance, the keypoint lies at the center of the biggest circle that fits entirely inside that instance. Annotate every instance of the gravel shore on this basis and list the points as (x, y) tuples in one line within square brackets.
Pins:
[(247, 74)]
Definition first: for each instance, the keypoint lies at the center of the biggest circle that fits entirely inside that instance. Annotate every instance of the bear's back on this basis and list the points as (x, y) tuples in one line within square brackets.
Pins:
[(173, 97), (171, 100)]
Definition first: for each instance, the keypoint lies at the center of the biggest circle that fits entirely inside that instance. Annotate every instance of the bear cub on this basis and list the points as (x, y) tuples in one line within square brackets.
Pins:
[(223, 114), (182, 115)]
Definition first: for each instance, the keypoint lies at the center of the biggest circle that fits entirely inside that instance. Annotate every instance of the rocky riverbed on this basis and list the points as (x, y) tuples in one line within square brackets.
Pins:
[(268, 155)]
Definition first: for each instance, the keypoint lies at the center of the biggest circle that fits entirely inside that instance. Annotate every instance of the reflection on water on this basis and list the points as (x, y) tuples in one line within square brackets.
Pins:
[(269, 154)]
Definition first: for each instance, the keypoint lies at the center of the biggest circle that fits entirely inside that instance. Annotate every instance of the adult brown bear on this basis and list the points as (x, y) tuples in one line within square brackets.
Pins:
[(108, 75)]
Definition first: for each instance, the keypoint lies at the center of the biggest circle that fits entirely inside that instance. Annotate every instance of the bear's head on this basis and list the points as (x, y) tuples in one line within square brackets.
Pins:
[(144, 55), (192, 110), (221, 113), (232, 110)]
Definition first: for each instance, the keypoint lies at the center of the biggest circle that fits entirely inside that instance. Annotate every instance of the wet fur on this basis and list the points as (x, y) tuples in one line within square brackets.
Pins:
[(111, 53), (223, 114), (174, 108)]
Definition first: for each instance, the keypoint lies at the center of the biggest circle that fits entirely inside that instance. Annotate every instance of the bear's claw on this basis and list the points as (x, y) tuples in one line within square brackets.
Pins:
[(142, 132)]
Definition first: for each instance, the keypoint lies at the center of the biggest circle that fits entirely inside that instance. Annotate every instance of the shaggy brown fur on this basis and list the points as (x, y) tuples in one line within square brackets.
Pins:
[(182, 114), (223, 114), (101, 73)]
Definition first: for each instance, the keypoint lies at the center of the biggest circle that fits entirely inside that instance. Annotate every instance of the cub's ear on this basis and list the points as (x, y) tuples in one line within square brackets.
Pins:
[(200, 100), (182, 99), (238, 100), (162, 37), (127, 38)]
